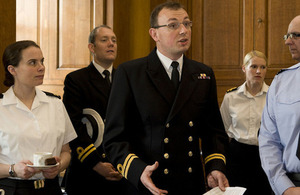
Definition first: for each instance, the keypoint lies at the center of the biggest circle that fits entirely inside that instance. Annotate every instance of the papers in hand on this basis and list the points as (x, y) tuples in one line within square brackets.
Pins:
[(228, 191)]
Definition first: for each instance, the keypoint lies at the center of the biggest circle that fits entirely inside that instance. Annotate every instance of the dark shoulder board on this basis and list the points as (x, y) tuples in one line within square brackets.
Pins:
[(232, 89), (282, 70), (51, 94), (1, 95)]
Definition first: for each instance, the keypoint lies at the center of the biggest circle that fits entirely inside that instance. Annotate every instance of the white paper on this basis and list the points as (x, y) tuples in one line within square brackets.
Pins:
[(228, 191)]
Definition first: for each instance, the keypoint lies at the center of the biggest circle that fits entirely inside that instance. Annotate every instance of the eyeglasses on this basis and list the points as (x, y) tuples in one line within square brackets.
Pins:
[(291, 35), (175, 25)]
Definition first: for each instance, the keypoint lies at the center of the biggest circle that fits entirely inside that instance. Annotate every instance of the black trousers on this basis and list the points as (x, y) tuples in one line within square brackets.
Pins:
[(28, 187), (244, 169)]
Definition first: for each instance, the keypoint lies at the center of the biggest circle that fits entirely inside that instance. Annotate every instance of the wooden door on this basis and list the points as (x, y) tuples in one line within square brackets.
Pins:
[(61, 28)]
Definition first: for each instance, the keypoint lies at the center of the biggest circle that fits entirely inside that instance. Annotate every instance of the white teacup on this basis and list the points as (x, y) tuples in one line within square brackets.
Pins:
[(40, 157)]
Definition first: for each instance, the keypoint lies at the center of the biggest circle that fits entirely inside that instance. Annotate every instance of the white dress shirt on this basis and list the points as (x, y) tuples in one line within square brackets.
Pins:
[(241, 113), (101, 69), (166, 62), (44, 128)]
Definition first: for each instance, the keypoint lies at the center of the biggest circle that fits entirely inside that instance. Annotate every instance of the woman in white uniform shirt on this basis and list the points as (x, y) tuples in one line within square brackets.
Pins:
[(30, 121), (241, 112)]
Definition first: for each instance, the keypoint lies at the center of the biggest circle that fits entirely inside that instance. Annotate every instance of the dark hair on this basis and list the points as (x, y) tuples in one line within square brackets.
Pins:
[(168, 5), (92, 36), (12, 55)]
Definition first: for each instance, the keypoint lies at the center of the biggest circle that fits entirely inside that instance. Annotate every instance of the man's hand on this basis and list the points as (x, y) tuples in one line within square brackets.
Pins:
[(147, 181), (108, 171), (292, 191), (217, 178)]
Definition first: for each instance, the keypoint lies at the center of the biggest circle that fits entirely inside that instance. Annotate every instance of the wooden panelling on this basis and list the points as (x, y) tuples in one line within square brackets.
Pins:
[(222, 33), (197, 31), (247, 27), (280, 13), (7, 32), (131, 26), (221, 40), (61, 28), (74, 26), (260, 24), (27, 20)]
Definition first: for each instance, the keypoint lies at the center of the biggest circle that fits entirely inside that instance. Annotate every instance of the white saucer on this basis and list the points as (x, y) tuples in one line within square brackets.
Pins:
[(42, 166)]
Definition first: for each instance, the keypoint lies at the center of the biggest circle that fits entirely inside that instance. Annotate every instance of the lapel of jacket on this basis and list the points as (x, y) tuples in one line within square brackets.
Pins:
[(160, 78), (98, 81), (186, 87), (113, 74)]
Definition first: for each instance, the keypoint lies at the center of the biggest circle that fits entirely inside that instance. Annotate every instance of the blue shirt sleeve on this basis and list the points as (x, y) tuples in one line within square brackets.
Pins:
[(270, 146)]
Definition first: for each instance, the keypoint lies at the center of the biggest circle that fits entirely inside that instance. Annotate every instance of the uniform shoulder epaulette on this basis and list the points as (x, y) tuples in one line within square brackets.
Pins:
[(232, 89), (51, 94), (1, 95), (280, 71)]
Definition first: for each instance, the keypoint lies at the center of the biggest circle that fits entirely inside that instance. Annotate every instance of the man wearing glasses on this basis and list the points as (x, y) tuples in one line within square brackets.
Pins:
[(159, 108), (280, 125)]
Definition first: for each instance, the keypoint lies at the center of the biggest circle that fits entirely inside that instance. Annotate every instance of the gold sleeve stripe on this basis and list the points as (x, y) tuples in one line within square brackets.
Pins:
[(215, 156), (127, 164), (83, 153), (88, 153), (127, 167)]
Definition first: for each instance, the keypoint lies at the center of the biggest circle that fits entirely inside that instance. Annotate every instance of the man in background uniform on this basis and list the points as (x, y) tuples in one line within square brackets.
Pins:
[(86, 95)]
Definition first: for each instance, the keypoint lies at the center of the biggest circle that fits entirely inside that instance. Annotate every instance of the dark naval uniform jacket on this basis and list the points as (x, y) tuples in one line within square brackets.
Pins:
[(148, 120), (86, 88)]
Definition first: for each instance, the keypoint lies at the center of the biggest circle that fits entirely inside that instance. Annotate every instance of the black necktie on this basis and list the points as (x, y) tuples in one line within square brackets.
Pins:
[(175, 74), (107, 73)]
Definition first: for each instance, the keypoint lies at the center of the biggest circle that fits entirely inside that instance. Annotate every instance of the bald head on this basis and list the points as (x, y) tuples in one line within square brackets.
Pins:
[(295, 23), (296, 18), (294, 41)]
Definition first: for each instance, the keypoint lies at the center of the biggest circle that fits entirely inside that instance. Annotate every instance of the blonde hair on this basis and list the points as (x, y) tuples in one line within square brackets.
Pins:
[(252, 54)]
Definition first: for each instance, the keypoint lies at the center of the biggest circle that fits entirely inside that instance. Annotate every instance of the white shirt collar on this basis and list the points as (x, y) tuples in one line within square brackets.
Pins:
[(242, 89), (101, 69), (167, 62), (10, 98)]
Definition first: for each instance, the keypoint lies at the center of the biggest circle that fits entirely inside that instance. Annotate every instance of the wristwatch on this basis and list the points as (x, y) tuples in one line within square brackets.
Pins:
[(11, 170)]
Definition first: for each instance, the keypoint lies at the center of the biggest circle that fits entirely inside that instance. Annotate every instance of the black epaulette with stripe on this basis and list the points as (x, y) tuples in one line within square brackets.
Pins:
[(1, 95), (232, 89), (51, 94), (280, 71)]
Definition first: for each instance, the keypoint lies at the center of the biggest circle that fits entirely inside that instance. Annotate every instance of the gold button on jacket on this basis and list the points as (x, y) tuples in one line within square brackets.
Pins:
[(166, 155)]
